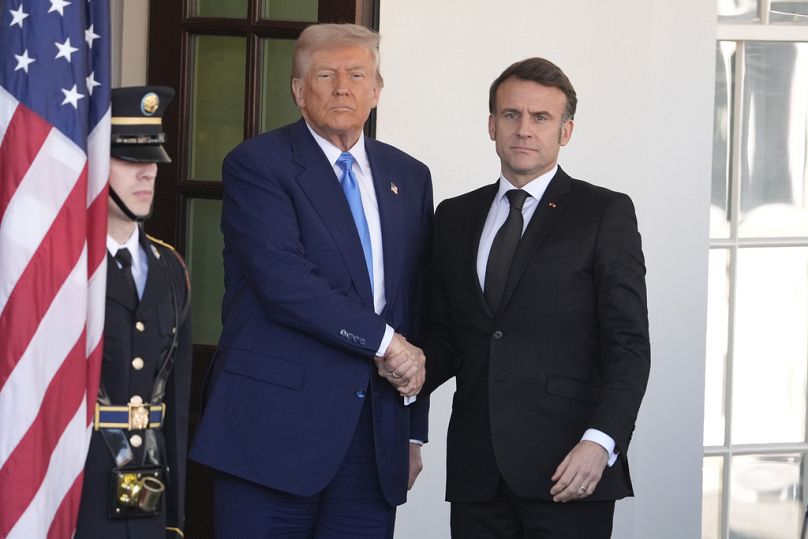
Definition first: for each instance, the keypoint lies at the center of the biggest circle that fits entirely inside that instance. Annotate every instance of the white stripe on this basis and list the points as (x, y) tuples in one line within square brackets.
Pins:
[(97, 293), (58, 331), (34, 205), (98, 158), (7, 107), (66, 463)]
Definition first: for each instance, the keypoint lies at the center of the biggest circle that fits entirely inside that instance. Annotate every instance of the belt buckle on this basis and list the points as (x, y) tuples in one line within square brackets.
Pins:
[(138, 414)]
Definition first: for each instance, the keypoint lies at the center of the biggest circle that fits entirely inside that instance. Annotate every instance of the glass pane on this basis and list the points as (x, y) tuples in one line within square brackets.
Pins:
[(712, 494), (733, 11), (774, 145), (717, 340), (217, 103), (765, 497), (236, 9), (793, 11), (291, 10), (770, 348), (277, 106), (207, 273), (722, 139)]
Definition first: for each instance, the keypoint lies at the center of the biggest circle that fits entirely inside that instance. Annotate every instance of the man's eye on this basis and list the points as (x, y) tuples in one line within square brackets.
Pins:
[(510, 115)]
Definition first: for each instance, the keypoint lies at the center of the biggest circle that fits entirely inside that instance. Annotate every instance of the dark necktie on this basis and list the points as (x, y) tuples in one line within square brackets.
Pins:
[(351, 189), (124, 258), (502, 250)]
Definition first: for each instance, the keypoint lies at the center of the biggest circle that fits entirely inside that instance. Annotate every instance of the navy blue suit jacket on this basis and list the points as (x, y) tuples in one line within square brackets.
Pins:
[(294, 363)]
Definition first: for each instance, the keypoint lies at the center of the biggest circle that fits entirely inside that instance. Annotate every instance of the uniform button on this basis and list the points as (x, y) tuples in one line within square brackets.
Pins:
[(137, 363), (136, 440), (136, 400), (173, 331), (140, 326), (497, 335), (361, 393)]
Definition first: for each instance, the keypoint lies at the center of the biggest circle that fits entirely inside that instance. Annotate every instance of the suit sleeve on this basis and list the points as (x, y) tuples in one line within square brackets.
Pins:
[(178, 396), (261, 231), (625, 356)]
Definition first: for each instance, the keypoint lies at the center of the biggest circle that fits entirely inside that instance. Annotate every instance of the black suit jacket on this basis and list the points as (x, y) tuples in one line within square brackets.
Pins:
[(569, 351)]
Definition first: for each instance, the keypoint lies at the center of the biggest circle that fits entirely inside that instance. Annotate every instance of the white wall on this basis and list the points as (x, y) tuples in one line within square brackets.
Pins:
[(644, 76)]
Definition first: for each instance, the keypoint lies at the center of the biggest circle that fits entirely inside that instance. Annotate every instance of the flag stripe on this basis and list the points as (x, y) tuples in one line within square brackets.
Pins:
[(66, 465), (24, 470), (56, 336), (49, 267), (7, 107), (64, 522), (26, 135), (34, 206)]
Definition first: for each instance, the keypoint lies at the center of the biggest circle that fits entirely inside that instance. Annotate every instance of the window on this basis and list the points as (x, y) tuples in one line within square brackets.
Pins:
[(756, 383)]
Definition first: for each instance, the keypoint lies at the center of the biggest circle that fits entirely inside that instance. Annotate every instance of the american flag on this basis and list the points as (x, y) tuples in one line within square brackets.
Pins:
[(54, 165)]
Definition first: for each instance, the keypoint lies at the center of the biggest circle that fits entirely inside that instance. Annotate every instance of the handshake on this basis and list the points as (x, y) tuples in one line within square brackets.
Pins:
[(403, 365)]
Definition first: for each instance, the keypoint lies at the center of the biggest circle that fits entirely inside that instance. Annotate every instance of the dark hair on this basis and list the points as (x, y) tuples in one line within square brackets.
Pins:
[(541, 71)]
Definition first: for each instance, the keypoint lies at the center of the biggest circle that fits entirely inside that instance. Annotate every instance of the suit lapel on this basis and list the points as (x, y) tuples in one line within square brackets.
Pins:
[(391, 217), (475, 221), (322, 188), (552, 204)]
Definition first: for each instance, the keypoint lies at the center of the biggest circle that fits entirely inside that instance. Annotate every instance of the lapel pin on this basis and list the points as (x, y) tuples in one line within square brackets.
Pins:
[(394, 188), (552, 204)]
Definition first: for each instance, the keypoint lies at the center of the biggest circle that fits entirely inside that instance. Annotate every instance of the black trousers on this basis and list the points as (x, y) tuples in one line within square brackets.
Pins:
[(508, 516)]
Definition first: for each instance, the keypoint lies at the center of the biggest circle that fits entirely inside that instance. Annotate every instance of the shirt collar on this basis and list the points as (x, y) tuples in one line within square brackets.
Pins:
[(535, 188), (133, 244), (332, 153)]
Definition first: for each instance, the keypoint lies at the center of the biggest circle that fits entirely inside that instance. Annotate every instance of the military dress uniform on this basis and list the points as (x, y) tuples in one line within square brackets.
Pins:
[(134, 476), (137, 335)]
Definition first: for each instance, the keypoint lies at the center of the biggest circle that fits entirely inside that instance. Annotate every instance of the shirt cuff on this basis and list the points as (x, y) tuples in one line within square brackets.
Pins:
[(410, 400), (603, 440), (388, 336), (416, 442)]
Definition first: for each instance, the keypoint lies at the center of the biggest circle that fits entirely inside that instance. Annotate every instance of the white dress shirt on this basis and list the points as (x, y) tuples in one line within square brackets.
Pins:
[(140, 262), (500, 208)]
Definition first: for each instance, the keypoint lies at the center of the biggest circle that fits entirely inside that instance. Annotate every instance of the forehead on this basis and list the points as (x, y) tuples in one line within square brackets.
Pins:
[(519, 94), (343, 56)]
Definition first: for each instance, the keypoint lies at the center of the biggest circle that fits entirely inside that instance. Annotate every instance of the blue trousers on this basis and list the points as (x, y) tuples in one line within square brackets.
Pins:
[(352, 506)]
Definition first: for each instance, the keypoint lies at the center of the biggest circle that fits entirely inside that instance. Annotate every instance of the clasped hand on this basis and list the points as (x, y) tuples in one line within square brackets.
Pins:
[(403, 365)]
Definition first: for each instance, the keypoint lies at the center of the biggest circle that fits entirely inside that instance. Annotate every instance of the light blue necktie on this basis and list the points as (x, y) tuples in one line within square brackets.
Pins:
[(351, 189)]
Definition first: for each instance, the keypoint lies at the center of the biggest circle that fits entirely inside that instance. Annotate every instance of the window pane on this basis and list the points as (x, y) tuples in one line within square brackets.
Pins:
[(277, 106), (717, 340), (765, 497), (793, 11), (217, 103), (220, 8), (769, 352), (733, 11), (722, 139), (712, 494), (774, 176), (291, 10), (207, 273)]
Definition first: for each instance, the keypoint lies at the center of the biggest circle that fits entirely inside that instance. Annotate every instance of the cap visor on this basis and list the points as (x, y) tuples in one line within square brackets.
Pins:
[(140, 154)]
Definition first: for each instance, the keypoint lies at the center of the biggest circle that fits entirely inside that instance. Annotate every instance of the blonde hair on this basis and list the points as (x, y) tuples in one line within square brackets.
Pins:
[(323, 36)]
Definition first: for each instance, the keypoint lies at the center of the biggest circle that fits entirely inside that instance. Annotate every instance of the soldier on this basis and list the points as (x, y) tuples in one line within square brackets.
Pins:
[(134, 477)]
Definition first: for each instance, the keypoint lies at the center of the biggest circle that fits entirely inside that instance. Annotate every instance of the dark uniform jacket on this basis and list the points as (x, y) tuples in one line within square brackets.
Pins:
[(135, 339)]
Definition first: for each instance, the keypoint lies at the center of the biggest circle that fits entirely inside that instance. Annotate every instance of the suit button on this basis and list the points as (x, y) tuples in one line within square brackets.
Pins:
[(136, 440), (497, 335), (355, 338), (140, 326), (362, 341), (361, 393), (137, 363), (343, 333)]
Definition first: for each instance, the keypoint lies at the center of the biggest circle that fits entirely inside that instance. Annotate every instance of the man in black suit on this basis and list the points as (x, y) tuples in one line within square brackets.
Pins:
[(539, 311)]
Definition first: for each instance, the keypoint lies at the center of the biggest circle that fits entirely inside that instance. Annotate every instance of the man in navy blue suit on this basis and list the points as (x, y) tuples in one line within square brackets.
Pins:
[(326, 234)]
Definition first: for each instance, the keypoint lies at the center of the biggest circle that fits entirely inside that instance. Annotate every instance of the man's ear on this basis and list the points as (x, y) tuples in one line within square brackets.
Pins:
[(492, 127), (297, 92)]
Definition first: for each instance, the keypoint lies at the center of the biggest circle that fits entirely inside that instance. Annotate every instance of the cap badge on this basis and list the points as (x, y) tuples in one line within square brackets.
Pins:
[(149, 104)]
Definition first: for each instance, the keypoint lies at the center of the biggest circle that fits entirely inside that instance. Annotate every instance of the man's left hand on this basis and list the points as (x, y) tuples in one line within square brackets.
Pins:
[(416, 465), (580, 472)]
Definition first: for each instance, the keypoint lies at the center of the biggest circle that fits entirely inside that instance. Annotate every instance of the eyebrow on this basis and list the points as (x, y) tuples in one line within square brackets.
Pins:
[(531, 112)]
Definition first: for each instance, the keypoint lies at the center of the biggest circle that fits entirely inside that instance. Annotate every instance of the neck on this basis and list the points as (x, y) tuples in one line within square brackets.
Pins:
[(120, 230)]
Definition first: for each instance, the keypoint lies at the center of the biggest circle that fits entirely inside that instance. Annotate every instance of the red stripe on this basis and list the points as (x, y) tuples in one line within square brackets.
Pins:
[(23, 472), (97, 231), (24, 137), (64, 521), (41, 280), (93, 377)]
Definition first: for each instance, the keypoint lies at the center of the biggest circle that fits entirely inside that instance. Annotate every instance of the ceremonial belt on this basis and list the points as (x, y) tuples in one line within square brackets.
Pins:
[(133, 416)]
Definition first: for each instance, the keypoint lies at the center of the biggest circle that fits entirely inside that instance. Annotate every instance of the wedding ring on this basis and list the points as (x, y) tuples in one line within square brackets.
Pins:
[(582, 488), (395, 374)]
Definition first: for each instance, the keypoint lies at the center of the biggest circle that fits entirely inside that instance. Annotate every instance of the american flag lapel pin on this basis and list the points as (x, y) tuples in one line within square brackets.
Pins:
[(394, 188), (552, 204)]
